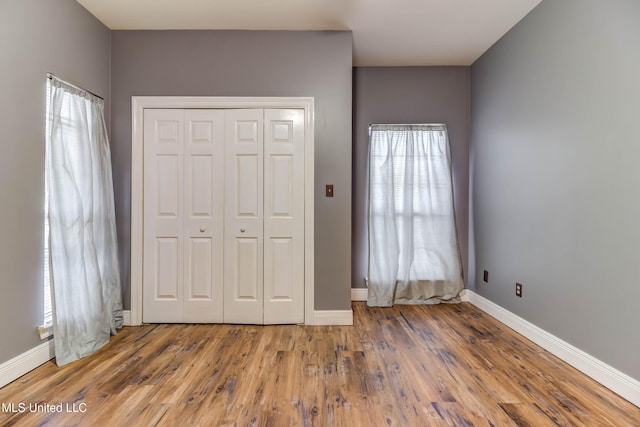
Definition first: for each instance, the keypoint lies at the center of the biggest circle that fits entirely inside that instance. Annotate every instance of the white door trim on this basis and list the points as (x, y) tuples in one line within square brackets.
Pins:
[(138, 105)]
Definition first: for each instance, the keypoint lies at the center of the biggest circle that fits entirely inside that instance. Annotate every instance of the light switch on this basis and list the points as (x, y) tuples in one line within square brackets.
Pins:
[(329, 190)]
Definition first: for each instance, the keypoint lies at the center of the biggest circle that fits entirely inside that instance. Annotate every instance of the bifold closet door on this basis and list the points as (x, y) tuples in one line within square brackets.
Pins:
[(223, 216), (264, 215), (243, 247), (183, 221), (284, 216)]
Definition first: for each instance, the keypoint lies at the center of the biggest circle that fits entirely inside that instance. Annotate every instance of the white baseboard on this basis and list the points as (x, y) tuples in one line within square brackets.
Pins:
[(359, 294), (333, 317), (31, 359), (25, 362), (126, 317), (618, 382)]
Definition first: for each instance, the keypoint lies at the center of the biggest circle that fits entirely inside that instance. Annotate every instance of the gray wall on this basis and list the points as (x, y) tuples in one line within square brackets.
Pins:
[(555, 146), (249, 63), (409, 95), (36, 37)]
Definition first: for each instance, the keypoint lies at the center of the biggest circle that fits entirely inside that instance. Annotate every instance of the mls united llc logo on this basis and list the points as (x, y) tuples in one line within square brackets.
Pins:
[(21, 407)]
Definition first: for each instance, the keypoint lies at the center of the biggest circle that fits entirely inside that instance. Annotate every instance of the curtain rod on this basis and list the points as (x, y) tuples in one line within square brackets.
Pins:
[(406, 124), (51, 76)]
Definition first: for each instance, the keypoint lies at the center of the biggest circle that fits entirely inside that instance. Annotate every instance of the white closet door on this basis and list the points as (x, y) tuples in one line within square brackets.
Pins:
[(223, 216), (163, 216), (284, 216), (204, 216), (243, 253), (183, 216)]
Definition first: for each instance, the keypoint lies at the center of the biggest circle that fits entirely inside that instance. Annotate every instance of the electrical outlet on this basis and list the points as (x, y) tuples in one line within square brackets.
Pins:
[(519, 290), (485, 277)]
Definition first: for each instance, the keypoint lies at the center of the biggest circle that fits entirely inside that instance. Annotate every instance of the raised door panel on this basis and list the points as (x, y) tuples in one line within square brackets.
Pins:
[(204, 218), (165, 275), (243, 254), (246, 179), (247, 281), (163, 266), (284, 217), (200, 269)]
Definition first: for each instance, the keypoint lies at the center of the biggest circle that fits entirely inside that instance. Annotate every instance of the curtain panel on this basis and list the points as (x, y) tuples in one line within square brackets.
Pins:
[(85, 277), (413, 248)]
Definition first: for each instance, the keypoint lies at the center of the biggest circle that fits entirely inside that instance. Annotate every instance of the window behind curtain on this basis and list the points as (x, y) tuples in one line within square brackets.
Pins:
[(83, 251), (413, 250)]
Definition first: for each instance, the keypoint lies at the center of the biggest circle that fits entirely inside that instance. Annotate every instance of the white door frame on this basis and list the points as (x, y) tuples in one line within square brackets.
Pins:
[(138, 105)]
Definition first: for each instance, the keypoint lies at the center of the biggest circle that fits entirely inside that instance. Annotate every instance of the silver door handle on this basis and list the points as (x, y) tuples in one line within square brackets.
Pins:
[(242, 230)]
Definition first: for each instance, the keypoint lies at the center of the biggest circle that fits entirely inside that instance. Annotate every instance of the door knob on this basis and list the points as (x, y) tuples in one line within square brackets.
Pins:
[(242, 230), (202, 229)]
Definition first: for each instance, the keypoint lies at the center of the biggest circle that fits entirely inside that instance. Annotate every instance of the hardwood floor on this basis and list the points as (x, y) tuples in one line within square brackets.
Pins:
[(445, 365)]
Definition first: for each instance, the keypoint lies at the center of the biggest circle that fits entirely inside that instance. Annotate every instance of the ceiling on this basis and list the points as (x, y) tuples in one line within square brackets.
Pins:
[(385, 32)]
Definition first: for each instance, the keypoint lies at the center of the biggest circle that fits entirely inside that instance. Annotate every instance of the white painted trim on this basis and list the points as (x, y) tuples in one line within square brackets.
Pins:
[(139, 103), (618, 382), (126, 317), (45, 331), (31, 359), (333, 317), (137, 180), (359, 294), (25, 362), (309, 217)]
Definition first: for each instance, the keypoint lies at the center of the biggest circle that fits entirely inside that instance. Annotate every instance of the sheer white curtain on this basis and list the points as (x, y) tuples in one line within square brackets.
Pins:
[(87, 306), (413, 248)]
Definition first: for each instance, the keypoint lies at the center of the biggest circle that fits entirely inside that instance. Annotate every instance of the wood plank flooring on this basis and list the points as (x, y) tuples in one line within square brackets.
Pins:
[(444, 365)]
